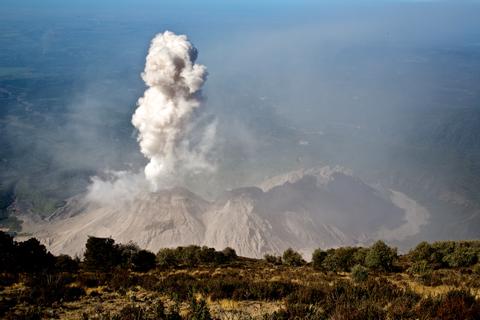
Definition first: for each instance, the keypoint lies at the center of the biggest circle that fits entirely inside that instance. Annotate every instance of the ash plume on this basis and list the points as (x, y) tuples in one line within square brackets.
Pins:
[(167, 118)]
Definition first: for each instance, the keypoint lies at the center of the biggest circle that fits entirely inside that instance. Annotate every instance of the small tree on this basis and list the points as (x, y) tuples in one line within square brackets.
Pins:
[(65, 263), (34, 257), (101, 254), (7, 253), (381, 257), (166, 258), (292, 258), (143, 261), (270, 258), (340, 259), (230, 254), (318, 257), (423, 251)]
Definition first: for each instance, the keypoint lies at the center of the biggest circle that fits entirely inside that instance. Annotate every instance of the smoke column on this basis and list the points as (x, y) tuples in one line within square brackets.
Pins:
[(165, 116)]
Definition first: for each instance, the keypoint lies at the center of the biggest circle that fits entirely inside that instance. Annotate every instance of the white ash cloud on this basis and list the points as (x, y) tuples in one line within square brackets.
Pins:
[(167, 115)]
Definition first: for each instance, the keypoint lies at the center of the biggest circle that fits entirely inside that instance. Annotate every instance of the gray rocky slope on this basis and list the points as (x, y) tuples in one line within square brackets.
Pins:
[(305, 209)]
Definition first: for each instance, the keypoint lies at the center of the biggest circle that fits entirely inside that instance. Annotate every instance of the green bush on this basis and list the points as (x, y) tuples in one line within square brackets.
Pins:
[(64, 263), (461, 257), (380, 257), (359, 273), (192, 256), (143, 261), (420, 267), (292, 258), (229, 254), (276, 260), (422, 252), (318, 256), (101, 254), (340, 259)]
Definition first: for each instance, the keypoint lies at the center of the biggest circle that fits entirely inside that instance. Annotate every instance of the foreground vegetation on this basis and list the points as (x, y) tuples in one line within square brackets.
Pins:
[(116, 281)]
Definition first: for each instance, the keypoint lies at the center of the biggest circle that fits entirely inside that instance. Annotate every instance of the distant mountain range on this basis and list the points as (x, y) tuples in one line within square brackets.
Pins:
[(304, 209)]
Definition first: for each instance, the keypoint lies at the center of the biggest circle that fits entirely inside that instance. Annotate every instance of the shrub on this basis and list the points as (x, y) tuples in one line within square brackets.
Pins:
[(461, 257), (32, 256), (65, 263), (456, 304), (101, 254), (143, 261), (420, 267), (292, 258), (422, 252), (359, 273), (167, 258), (48, 288), (318, 257), (126, 253), (229, 253), (273, 259), (121, 279), (192, 256), (8, 254), (381, 257), (359, 255), (198, 310), (341, 259)]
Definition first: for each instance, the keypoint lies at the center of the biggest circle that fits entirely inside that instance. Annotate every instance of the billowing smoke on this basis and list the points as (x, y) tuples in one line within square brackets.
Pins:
[(171, 134)]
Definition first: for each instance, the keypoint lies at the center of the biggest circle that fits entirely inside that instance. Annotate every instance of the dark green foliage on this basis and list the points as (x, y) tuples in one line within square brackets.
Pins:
[(229, 254), (7, 256), (305, 294), (452, 254), (127, 252), (143, 261), (101, 254), (34, 257), (318, 257), (461, 256), (292, 258), (64, 263), (276, 260), (420, 267), (192, 256), (359, 273), (422, 252), (381, 257), (341, 259), (28, 256), (167, 257)]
